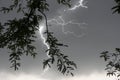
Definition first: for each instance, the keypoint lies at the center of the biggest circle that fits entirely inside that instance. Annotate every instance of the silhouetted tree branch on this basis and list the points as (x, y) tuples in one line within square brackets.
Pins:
[(113, 62), (19, 34), (113, 59)]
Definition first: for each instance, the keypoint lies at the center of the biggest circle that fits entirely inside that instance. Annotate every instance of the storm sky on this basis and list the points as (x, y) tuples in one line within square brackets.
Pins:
[(87, 30)]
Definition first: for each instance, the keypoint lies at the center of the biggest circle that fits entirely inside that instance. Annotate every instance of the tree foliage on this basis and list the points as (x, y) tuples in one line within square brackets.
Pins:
[(113, 62), (64, 65), (116, 8), (113, 59), (18, 34)]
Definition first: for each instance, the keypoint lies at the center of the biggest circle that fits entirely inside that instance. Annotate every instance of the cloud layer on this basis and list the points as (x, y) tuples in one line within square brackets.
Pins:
[(19, 76), (25, 76)]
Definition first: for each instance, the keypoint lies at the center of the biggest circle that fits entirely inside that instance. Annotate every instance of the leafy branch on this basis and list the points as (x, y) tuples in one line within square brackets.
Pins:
[(18, 34), (64, 65), (113, 62)]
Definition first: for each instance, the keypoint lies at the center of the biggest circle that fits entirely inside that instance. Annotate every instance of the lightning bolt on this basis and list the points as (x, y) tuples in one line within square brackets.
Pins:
[(42, 29), (81, 3), (43, 37), (42, 26), (60, 21)]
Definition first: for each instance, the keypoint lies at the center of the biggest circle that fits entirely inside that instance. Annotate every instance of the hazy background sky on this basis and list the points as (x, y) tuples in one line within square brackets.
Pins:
[(94, 30)]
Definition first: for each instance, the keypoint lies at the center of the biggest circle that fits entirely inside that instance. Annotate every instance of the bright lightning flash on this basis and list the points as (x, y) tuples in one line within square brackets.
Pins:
[(42, 27), (43, 37), (79, 4)]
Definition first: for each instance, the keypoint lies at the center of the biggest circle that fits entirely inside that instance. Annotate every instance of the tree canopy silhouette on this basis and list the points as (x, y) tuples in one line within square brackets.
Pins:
[(19, 34)]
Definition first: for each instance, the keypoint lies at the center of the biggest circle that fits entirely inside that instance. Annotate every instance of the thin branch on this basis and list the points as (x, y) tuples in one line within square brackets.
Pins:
[(46, 23)]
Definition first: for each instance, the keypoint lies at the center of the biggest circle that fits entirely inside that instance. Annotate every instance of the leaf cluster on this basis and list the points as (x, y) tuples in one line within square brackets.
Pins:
[(116, 8), (64, 65), (18, 37), (113, 62), (65, 2)]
